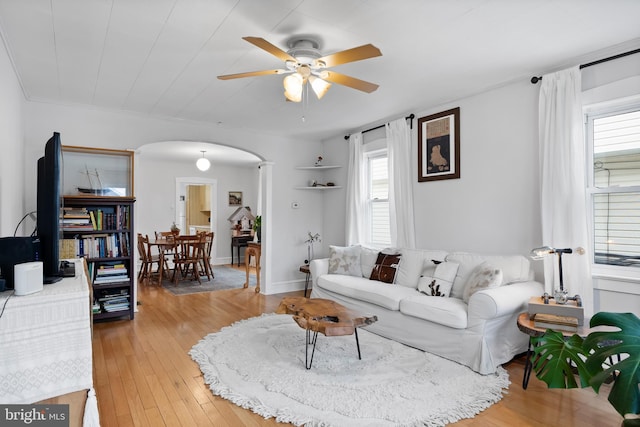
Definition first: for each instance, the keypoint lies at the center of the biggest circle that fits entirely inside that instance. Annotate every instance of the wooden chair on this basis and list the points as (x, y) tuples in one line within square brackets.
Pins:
[(146, 259), (168, 252), (205, 261), (188, 257)]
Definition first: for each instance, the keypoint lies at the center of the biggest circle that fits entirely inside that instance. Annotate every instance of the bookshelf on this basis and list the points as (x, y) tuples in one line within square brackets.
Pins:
[(100, 229)]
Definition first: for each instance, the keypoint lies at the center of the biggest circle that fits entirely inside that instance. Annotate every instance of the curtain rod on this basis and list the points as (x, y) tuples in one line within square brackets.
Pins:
[(536, 79), (409, 117)]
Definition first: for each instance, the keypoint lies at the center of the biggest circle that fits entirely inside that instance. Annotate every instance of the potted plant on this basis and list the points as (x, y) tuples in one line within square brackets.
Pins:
[(174, 229), (598, 357), (257, 227)]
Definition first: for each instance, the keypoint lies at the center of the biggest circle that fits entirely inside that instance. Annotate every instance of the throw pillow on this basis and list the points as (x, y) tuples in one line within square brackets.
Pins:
[(345, 260), (385, 268), (484, 276), (368, 258), (441, 282)]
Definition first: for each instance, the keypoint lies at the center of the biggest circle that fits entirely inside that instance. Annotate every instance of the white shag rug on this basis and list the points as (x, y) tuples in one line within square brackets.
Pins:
[(258, 364)]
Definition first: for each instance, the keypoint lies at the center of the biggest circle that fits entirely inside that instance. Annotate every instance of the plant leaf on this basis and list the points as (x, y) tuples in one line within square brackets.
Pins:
[(553, 357), (619, 352)]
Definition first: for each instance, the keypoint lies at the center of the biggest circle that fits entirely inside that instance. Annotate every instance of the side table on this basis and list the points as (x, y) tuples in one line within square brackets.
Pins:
[(305, 269), (526, 325), (253, 249)]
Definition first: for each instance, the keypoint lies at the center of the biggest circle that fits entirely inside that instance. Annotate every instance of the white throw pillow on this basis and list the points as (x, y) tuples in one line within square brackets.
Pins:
[(484, 276), (368, 257), (345, 260), (441, 282)]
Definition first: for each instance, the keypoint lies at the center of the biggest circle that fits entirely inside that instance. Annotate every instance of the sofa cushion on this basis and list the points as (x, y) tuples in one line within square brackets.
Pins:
[(386, 267), (484, 276), (412, 263), (440, 282), (371, 291), (345, 260), (515, 268), (450, 312), (368, 257)]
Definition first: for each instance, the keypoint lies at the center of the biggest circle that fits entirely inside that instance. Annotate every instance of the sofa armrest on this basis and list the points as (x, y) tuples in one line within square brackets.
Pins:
[(503, 300), (318, 267)]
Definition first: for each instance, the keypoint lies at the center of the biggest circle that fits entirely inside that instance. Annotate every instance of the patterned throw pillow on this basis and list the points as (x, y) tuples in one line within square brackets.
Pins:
[(440, 284), (385, 268), (345, 260), (484, 276)]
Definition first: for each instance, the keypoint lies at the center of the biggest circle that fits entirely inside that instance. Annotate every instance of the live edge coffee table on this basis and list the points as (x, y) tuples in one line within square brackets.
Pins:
[(325, 316)]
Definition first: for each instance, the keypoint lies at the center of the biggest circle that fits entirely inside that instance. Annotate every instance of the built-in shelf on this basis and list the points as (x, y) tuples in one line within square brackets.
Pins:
[(319, 187), (317, 167)]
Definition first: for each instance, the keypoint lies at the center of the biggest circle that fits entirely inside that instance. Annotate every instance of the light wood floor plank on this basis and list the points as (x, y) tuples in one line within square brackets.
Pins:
[(143, 373)]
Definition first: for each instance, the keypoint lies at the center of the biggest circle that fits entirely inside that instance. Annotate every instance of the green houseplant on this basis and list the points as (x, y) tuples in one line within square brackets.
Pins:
[(598, 357), (257, 227)]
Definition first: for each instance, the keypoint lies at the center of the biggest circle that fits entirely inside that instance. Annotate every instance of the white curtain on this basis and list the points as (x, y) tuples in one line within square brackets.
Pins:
[(563, 192), (401, 222), (356, 187)]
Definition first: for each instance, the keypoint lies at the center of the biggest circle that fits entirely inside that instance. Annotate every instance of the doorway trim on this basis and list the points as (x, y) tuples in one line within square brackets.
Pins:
[(180, 211)]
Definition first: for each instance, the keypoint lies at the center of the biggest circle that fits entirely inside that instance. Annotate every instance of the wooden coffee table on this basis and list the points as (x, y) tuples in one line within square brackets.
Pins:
[(325, 316)]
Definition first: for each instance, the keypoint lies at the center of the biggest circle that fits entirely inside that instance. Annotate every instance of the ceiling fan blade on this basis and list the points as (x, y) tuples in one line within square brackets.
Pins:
[(351, 55), (252, 74), (352, 82), (274, 50)]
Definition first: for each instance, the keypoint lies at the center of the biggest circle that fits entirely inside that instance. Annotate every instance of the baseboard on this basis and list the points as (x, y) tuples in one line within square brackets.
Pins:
[(287, 286)]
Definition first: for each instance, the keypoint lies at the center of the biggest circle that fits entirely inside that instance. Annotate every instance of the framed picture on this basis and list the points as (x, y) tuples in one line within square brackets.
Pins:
[(439, 146), (235, 198), (97, 172)]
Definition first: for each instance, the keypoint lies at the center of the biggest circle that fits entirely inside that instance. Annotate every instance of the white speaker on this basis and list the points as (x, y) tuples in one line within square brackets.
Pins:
[(28, 278)]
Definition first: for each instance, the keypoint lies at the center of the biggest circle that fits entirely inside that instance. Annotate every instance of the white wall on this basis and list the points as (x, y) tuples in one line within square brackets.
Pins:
[(83, 126), (494, 206), (11, 138), (155, 185)]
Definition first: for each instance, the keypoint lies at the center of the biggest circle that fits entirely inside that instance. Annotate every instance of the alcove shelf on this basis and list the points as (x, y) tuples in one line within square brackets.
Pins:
[(317, 167), (319, 187)]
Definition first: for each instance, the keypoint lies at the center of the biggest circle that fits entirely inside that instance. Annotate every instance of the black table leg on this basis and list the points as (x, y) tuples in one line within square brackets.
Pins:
[(528, 366), (355, 330)]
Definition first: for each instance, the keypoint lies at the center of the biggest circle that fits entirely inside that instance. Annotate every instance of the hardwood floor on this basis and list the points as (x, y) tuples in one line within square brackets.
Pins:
[(143, 375)]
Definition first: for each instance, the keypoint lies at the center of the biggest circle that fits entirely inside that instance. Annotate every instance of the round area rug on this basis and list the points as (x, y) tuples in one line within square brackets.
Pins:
[(258, 364)]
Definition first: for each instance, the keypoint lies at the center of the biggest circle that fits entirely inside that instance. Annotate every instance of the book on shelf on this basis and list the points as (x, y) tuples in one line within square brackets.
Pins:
[(553, 321), (110, 279)]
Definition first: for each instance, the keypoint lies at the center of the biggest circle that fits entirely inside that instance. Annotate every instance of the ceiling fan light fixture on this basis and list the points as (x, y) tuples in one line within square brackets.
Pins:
[(319, 86), (293, 87), (203, 163)]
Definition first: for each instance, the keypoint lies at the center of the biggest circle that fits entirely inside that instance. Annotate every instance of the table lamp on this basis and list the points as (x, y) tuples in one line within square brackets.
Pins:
[(559, 295)]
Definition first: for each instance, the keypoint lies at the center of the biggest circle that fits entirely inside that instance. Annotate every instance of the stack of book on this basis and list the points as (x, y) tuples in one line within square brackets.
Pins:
[(111, 273), (76, 219), (115, 302), (553, 321)]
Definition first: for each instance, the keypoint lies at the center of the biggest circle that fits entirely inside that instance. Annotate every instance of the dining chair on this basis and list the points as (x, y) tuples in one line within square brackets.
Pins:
[(188, 256), (205, 259), (146, 259), (168, 251)]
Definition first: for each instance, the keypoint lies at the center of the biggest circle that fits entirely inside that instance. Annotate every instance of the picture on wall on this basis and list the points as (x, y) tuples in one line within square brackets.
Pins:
[(439, 146), (235, 198)]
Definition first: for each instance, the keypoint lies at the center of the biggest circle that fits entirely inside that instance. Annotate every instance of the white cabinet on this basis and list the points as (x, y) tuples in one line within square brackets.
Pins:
[(318, 178)]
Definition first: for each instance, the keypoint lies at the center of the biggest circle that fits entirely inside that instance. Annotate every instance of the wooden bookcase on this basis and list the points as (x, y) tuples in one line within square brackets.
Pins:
[(100, 229)]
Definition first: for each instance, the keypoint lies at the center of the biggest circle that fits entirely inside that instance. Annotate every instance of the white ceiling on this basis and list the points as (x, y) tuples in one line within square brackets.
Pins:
[(161, 57)]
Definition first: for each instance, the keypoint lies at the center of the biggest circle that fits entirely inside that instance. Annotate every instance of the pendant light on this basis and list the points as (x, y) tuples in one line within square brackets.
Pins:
[(203, 163)]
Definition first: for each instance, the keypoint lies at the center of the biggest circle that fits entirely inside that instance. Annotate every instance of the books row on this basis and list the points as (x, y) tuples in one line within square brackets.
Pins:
[(104, 273), (97, 246), (112, 300), (83, 219), (553, 321)]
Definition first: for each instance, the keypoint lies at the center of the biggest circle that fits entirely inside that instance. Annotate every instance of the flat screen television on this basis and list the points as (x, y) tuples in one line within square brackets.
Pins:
[(49, 203)]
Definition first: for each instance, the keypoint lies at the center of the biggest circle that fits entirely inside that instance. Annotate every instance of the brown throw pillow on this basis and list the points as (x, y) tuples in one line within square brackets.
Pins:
[(385, 268)]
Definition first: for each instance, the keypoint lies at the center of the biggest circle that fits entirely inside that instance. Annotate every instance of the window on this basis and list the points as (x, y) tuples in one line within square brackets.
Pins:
[(378, 198), (613, 137)]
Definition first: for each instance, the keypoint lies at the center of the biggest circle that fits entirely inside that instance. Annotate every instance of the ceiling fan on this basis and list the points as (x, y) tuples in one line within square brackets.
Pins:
[(304, 63)]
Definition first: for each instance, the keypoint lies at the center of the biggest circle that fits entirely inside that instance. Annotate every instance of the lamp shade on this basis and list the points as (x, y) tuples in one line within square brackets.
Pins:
[(203, 163)]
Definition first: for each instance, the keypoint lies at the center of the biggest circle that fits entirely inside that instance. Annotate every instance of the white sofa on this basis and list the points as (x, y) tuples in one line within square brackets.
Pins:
[(481, 334)]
